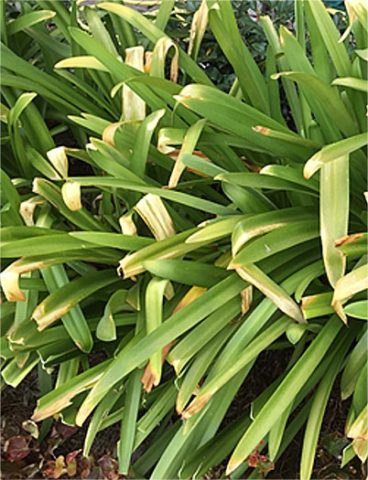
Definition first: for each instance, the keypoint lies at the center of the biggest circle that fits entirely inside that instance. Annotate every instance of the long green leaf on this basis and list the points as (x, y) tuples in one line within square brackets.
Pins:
[(28, 20), (333, 152)]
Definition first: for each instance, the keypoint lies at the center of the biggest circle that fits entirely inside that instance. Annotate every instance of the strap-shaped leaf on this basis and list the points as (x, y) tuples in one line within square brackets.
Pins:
[(254, 275), (277, 240), (154, 305), (189, 143), (334, 214), (54, 401), (193, 343), (83, 61), (334, 113), (106, 328), (230, 115), (256, 225), (199, 367), (73, 320), (143, 138), (333, 152), (354, 365), (175, 196), (98, 417), (353, 83), (256, 180), (215, 230), (186, 272), (129, 420), (357, 310), (9, 194), (28, 20), (13, 374), (61, 301)]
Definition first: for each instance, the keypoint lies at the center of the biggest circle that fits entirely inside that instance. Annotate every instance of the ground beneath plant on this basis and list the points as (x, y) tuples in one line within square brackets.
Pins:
[(59, 454)]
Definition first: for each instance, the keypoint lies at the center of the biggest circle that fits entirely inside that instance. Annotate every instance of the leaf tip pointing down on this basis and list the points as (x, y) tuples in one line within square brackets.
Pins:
[(10, 285), (71, 193), (196, 406)]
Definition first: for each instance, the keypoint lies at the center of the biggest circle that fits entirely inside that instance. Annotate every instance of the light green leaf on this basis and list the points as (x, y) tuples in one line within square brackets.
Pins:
[(215, 230), (142, 143), (354, 83), (28, 20), (186, 272), (106, 328), (362, 53), (357, 310), (83, 61), (189, 143), (334, 215), (334, 152), (154, 304)]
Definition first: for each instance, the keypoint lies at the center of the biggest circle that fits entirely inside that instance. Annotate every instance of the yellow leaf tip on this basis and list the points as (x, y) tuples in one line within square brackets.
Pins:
[(231, 467), (275, 76)]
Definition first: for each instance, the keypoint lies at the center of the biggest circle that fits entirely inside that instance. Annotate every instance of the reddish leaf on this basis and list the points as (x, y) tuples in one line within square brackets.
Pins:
[(253, 460), (62, 431), (109, 467), (17, 448)]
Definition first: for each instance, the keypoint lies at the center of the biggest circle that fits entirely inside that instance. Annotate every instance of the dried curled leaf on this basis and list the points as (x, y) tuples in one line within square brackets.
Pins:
[(71, 193), (9, 280), (59, 160), (154, 213)]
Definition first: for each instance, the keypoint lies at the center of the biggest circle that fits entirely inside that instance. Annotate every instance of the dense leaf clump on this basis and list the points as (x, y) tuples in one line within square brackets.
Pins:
[(181, 230)]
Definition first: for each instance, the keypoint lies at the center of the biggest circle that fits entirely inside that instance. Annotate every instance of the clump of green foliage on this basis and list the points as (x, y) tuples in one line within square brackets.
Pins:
[(182, 230)]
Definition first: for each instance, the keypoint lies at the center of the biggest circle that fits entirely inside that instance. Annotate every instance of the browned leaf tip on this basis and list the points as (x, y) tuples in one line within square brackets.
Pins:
[(348, 239)]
